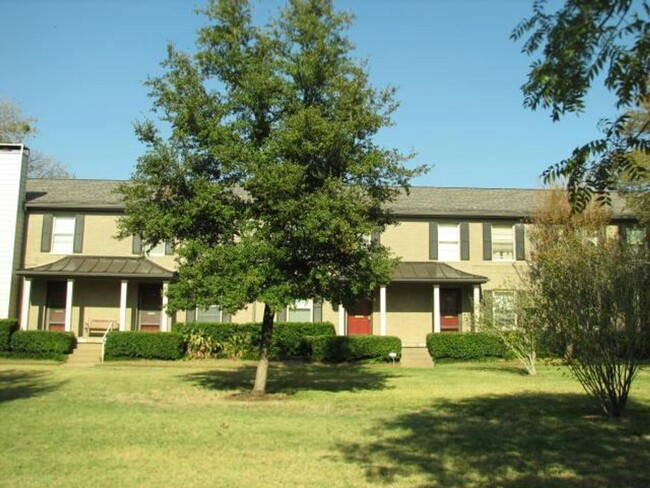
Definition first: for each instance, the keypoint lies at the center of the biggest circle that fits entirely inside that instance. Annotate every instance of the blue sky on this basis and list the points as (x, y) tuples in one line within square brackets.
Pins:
[(78, 67)]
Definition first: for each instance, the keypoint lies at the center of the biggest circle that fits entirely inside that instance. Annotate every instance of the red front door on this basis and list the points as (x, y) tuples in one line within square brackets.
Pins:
[(449, 310), (360, 318)]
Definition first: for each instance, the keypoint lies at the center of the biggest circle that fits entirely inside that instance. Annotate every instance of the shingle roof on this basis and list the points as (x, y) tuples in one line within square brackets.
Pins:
[(100, 267), (428, 272), (421, 202)]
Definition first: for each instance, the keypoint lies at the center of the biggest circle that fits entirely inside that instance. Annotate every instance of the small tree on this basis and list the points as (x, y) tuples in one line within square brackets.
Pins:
[(521, 330), (269, 180), (593, 292)]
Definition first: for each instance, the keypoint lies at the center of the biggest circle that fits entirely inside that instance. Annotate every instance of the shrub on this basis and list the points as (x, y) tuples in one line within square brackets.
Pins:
[(466, 347), (336, 349), (144, 345), (42, 344), (7, 327), (243, 340)]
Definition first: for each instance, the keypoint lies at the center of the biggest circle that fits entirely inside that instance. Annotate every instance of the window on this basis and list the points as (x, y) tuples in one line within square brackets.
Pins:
[(63, 234), (503, 308), (158, 249), (301, 311), (503, 243), (634, 236), (212, 314), (448, 242)]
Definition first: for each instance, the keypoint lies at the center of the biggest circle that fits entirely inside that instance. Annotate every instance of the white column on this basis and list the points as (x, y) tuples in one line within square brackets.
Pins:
[(68, 305), (436, 309), (163, 313), (382, 311), (24, 309), (477, 305), (341, 320), (124, 288)]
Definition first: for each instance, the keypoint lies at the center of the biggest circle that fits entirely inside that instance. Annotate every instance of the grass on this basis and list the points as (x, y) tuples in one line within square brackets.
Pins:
[(164, 424)]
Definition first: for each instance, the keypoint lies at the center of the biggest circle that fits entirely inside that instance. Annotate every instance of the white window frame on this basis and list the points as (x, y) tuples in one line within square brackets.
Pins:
[(511, 314), (442, 256), (301, 305), (58, 247), (512, 241)]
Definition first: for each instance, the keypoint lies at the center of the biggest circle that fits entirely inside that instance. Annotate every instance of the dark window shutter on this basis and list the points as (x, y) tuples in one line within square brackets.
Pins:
[(226, 317), (46, 234), (136, 246), (282, 315), (78, 234), (433, 241), (190, 314), (520, 251), (487, 242), (464, 241), (318, 311), (169, 248)]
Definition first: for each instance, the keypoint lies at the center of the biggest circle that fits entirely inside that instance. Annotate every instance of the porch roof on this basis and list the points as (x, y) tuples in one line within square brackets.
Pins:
[(432, 272), (100, 267)]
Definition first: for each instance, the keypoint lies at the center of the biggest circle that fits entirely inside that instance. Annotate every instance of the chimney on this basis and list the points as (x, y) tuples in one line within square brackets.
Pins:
[(13, 174)]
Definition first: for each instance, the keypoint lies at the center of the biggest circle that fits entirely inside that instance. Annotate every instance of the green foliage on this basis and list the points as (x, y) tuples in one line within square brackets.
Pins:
[(466, 347), (42, 344), (595, 298), (336, 349), (144, 345), (581, 43), (7, 327), (200, 345), (244, 340)]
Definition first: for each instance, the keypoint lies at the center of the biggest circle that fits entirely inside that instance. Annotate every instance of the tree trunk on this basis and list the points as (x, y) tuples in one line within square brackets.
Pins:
[(263, 365)]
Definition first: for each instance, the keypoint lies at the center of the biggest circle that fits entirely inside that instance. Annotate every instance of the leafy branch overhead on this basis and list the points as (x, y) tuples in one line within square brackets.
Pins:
[(582, 43)]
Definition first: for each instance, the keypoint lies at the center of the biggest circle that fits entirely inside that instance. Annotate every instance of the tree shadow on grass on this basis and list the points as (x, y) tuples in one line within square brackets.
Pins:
[(16, 385), (289, 379), (510, 441)]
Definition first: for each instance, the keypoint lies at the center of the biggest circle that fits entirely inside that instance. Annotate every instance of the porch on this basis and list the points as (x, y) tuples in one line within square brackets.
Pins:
[(423, 297), (87, 295)]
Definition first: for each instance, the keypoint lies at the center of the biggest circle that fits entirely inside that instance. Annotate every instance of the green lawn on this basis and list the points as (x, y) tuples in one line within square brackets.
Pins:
[(180, 424)]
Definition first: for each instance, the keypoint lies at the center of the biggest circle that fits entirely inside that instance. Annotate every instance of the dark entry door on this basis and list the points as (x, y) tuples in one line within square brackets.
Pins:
[(450, 309), (360, 318), (56, 294), (150, 306)]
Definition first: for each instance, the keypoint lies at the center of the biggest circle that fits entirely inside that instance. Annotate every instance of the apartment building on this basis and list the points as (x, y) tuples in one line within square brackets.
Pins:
[(63, 268)]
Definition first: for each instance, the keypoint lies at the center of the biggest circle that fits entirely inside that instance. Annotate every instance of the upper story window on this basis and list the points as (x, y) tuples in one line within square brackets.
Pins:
[(158, 249), (448, 241), (301, 311), (503, 242), (62, 234)]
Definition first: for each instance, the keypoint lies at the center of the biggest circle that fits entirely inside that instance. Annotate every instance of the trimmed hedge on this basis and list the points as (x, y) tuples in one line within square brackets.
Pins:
[(352, 348), (144, 345), (43, 344), (466, 347), (7, 327), (287, 336)]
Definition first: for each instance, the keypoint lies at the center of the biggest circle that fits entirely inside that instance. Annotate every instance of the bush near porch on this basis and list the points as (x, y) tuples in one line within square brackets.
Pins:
[(7, 328), (242, 341), (466, 347), (144, 345), (338, 349), (42, 344)]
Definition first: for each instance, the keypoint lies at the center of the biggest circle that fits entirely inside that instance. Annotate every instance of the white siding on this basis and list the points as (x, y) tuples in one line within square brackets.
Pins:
[(12, 191)]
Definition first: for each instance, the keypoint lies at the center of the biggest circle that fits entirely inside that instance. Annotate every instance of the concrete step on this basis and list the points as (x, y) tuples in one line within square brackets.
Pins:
[(85, 354), (416, 357)]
